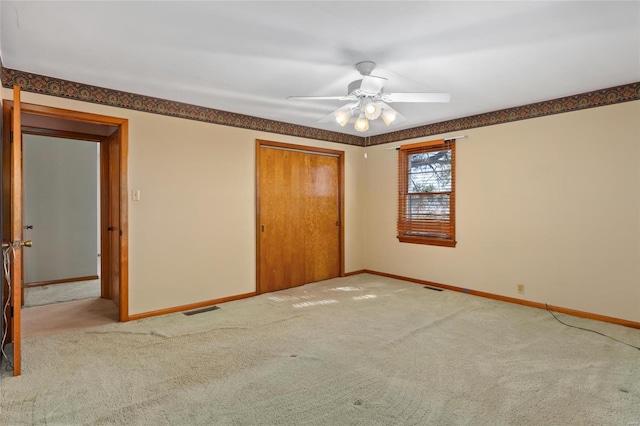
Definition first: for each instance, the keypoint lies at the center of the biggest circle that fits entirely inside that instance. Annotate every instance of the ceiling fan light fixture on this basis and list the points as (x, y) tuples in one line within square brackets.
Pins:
[(362, 124), (342, 117), (389, 116), (368, 101), (372, 110)]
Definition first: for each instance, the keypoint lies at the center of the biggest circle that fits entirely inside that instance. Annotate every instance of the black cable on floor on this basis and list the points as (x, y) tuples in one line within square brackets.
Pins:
[(592, 331), (7, 254)]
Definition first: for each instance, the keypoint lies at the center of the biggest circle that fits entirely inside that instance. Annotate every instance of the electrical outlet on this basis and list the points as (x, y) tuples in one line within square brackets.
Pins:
[(520, 288)]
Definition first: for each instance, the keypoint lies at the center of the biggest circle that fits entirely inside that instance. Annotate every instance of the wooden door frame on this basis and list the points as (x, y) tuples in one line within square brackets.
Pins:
[(260, 143), (121, 126)]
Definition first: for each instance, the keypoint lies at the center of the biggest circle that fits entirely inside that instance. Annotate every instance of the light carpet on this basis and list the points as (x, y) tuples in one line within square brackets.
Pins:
[(361, 350), (58, 293)]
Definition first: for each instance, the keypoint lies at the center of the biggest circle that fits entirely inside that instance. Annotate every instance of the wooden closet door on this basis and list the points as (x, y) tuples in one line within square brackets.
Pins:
[(281, 232), (298, 216), (321, 218)]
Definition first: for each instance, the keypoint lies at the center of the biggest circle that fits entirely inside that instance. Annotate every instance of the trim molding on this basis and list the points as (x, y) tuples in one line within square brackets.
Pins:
[(61, 281), (604, 97), (190, 306), (538, 305), (361, 271), (36, 83)]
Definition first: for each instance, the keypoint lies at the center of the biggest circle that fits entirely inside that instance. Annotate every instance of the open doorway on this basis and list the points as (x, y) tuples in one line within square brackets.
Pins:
[(61, 216), (111, 135)]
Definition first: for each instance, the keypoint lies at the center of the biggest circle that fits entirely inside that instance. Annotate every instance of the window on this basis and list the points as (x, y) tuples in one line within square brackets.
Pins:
[(426, 193)]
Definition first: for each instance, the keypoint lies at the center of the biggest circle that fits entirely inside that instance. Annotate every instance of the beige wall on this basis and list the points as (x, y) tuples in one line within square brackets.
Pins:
[(192, 235), (545, 202), (553, 203)]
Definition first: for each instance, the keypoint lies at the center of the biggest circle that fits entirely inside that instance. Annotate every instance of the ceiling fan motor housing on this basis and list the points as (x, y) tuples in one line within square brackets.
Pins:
[(365, 67)]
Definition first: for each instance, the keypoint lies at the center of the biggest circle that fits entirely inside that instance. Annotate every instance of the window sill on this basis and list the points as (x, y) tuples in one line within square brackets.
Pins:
[(427, 241)]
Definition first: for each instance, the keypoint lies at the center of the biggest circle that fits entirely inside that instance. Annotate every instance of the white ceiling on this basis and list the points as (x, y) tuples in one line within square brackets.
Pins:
[(247, 57)]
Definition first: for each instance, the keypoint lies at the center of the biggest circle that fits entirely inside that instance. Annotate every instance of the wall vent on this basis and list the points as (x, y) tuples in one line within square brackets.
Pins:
[(199, 311)]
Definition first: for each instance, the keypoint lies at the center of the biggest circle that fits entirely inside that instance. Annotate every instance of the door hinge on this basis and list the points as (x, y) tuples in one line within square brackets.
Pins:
[(12, 312), (121, 232), (11, 137)]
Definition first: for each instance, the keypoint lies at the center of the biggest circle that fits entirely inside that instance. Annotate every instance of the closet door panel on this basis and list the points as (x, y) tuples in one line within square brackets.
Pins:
[(321, 218), (281, 206)]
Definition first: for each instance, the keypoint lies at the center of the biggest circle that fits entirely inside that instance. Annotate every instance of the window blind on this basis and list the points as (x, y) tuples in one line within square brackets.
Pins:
[(426, 193)]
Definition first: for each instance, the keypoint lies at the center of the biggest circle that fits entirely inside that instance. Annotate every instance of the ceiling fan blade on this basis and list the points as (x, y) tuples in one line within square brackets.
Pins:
[(416, 97), (371, 85), (397, 117), (332, 117), (322, 98)]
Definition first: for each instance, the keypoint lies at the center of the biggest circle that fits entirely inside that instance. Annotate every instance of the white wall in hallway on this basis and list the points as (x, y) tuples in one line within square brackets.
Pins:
[(60, 202)]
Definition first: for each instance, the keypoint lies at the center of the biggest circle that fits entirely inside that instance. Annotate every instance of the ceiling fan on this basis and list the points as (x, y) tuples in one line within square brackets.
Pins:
[(369, 102)]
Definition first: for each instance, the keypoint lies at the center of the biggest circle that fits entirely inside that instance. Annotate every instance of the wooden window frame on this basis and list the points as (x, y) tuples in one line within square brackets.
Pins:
[(405, 226)]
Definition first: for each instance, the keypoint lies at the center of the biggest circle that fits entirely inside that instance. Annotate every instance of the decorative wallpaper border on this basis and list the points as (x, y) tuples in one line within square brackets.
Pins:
[(610, 96), (36, 83)]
